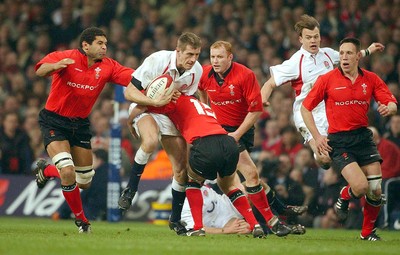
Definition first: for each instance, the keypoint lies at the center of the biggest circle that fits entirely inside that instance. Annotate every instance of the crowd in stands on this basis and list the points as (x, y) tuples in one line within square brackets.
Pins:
[(262, 35)]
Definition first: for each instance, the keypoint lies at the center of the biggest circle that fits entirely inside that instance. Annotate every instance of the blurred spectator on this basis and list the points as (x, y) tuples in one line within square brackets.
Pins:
[(287, 190), (320, 213), (393, 133), (289, 143), (16, 154)]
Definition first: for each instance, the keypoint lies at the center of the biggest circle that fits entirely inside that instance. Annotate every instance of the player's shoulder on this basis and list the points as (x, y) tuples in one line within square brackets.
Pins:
[(327, 50), (162, 55)]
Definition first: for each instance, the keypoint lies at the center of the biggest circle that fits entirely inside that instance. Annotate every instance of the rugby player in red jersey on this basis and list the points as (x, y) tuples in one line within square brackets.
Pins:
[(213, 153), (347, 92), (234, 95), (79, 76)]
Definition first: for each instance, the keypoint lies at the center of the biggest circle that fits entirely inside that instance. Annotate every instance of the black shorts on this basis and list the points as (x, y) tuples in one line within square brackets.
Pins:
[(246, 142), (58, 128), (353, 146), (212, 155)]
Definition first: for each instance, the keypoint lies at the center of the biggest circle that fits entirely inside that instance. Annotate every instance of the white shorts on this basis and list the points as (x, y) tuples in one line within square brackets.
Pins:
[(164, 123), (320, 119)]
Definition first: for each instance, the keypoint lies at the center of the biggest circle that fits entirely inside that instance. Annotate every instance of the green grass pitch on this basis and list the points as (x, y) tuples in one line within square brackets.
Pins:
[(33, 236)]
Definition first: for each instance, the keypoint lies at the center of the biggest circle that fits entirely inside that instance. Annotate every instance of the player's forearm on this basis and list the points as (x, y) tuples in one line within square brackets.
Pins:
[(210, 230), (267, 89), (392, 108), (203, 96), (134, 95), (46, 69), (248, 122), (308, 119)]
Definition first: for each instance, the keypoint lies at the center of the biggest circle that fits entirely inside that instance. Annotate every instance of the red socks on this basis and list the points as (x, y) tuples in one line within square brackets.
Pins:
[(260, 201), (241, 203), (370, 215), (195, 199), (345, 193), (51, 171), (73, 197)]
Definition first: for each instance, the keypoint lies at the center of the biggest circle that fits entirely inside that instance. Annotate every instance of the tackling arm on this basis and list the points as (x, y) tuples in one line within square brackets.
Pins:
[(48, 68), (267, 89)]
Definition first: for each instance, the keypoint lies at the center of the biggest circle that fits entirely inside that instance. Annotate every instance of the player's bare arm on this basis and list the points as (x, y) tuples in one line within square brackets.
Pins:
[(203, 96), (387, 110), (134, 95), (321, 142), (48, 68), (248, 122), (374, 47), (267, 89)]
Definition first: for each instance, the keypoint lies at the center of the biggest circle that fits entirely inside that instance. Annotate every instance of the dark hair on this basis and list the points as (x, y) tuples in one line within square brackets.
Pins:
[(352, 40), (89, 35), (101, 154), (307, 22)]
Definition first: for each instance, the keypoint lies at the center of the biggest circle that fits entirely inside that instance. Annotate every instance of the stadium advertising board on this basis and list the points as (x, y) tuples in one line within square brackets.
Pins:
[(20, 196)]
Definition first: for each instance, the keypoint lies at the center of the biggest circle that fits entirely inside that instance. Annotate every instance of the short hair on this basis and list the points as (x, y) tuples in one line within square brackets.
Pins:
[(307, 22), (89, 35), (352, 40), (222, 44), (189, 38)]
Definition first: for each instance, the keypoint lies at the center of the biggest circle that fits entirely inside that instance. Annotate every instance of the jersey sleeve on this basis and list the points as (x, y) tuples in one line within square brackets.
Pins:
[(52, 57), (252, 93), (121, 75), (147, 71), (333, 55), (316, 94), (287, 71), (381, 91)]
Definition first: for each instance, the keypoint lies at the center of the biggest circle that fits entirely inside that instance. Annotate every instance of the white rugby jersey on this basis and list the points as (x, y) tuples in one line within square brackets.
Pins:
[(303, 69), (162, 62), (217, 210)]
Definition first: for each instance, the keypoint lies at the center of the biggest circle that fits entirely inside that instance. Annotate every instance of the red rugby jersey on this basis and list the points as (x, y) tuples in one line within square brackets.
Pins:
[(238, 95), (191, 117), (346, 103), (75, 89)]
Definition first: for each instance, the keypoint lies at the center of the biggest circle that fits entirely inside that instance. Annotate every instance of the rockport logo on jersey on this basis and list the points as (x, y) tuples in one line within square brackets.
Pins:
[(351, 102), (227, 102), (81, 86)]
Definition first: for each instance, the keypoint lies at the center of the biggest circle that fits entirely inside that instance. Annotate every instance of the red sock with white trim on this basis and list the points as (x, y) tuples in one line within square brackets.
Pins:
[(257, 197), (371, 212), (241, 203), (73, 197), (195, 199)]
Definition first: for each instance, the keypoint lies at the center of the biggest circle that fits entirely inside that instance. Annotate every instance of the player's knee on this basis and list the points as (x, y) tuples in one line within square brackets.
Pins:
[(360, 189), (67, 176), (62, 160), (150, 144), (84, 175), (180, 174), (374, 187)]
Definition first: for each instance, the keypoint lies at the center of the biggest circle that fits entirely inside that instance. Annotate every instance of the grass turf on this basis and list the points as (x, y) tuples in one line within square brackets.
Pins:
[(43, 236)]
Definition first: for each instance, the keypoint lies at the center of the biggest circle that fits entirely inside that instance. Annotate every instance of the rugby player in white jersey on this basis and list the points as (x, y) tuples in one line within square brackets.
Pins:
[(186, 71)]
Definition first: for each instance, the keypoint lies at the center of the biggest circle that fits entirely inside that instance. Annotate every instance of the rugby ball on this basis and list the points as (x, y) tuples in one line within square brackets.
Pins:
[(157, 86)]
